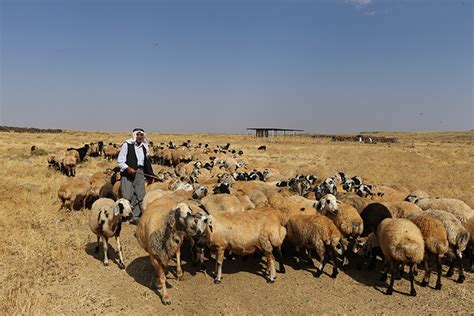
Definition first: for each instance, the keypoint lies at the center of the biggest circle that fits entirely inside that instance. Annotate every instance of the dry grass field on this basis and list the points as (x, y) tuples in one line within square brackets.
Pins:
[(48, 266)]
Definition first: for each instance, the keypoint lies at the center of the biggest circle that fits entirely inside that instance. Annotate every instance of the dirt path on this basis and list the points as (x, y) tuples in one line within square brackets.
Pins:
[(96, 289)]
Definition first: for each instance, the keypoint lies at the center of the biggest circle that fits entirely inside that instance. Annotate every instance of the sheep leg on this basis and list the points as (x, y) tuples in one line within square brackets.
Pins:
[(161, 280), (470, 252), (439, 269), (461, 277), (279, 256), (412, 280), (450, 271), (270, 266), (219, 262), (426, 278), (322, 263), (334, 264), (121, 263), (393, 271), (372, 262), (106, 248), (96, 249), (179, 270)]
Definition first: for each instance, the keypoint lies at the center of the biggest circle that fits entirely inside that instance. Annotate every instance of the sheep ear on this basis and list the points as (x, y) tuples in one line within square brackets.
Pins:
[(338, 202)]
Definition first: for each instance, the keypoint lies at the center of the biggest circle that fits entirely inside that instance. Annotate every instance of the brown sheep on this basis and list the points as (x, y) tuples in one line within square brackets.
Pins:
[(401, 242), (315, 232), (436, 245), (73, 193)]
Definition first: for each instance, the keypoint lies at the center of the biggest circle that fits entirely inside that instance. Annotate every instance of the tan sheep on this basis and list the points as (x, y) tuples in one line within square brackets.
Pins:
[(315, 232), (401, 242), (243, 233), (222, 203), (345, 217), (402, 209), (69, 163), (458, 237), (436, 245), (106, 222), (73, 193), (160, 232)]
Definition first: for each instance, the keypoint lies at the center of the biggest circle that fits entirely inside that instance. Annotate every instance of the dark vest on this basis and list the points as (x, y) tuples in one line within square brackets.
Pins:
[(132, 160)]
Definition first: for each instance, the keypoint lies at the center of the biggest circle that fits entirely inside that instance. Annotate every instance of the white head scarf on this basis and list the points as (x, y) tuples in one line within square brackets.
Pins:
[(133, 140)]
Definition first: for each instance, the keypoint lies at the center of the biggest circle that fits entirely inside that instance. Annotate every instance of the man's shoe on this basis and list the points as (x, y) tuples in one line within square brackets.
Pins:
[(134, 221)]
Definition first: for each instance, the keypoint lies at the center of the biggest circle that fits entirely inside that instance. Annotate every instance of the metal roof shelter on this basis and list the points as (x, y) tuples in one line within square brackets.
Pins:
[(265, 131)]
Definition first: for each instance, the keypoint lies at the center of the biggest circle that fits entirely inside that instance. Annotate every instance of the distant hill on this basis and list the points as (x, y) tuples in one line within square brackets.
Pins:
[(28, 129)]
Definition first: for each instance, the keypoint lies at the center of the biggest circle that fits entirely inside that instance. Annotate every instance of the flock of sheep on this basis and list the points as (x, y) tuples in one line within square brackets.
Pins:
[(226, 206)]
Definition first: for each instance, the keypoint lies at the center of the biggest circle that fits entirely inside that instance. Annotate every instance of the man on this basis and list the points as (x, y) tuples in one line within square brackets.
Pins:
[(134, 165)]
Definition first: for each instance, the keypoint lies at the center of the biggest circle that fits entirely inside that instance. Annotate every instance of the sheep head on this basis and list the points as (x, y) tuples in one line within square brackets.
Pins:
[(364, 190), (326, 204), (203, 221), (123, 208), (200, 192), (184, 219)]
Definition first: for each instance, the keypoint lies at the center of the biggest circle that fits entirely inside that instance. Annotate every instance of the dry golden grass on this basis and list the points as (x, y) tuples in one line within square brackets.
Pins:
[(43, 250)]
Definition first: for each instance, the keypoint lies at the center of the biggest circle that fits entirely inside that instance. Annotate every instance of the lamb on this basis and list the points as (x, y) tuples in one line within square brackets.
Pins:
[(458, 237), (242, 234), (315, 232), (160, 232), (436, 244), (106, 222), (401, 242), (454, 206), (73, 193), (69, 164)]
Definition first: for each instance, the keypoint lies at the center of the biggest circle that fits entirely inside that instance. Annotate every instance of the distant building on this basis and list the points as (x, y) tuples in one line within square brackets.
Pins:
[(267, 131)]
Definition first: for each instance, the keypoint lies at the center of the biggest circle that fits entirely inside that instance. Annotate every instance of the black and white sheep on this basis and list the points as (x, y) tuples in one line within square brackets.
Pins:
[(105, 221)]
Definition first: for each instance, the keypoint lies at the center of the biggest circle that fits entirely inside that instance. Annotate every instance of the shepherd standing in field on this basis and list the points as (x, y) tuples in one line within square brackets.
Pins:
[(134, 165)]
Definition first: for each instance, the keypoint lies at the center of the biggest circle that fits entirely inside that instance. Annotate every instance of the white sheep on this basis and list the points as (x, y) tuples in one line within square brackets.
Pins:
[(106, 222), (458, 208)]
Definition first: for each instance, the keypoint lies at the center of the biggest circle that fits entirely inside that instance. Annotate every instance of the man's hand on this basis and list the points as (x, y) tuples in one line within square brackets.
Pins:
[(131, 171)]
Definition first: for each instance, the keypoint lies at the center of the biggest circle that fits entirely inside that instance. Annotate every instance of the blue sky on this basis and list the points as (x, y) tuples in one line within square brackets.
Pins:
[(221, 66)]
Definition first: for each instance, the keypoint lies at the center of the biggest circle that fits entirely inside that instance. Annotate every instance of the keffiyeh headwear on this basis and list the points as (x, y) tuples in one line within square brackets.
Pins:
[(134, 137)]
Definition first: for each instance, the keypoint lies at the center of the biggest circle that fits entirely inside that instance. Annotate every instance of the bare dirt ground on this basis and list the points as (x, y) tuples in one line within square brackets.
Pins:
[(48, 265)]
